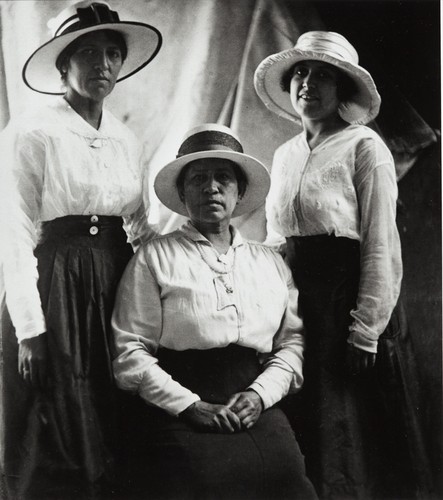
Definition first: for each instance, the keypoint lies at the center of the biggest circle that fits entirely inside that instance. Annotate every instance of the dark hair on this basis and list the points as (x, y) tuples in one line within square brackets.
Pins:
[(242, 180), (112, 35), (346, 87)]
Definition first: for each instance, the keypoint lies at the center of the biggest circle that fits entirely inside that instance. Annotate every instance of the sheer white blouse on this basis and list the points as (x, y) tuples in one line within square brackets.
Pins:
[(55, 164), (344, 186), (178, 292)]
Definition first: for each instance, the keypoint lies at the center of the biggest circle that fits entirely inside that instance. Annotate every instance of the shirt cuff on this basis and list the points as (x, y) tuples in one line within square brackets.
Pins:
[(357, 339)]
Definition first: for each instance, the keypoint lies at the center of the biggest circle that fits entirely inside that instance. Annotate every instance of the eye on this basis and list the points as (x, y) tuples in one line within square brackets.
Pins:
[(87, 51), (114, 54), (300, 71)]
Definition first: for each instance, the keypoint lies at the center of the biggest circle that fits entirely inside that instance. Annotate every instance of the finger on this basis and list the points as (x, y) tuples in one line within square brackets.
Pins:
[(232, 400), (233, 419), (249, 421)]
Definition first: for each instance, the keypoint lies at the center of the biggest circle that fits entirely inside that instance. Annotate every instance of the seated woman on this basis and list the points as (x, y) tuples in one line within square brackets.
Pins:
[(207, 334)]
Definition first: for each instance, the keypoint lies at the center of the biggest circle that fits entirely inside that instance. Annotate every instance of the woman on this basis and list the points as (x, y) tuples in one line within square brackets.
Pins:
[(333, 198), (207, 334), (73, 175)]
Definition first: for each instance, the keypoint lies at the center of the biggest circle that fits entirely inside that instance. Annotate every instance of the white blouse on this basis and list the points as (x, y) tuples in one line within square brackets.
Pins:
[(344, 186), (55, 164), (178, 292)]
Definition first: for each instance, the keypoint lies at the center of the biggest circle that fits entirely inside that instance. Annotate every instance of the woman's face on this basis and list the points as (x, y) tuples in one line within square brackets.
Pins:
[(313, 90), (92, 70), (210, 191)]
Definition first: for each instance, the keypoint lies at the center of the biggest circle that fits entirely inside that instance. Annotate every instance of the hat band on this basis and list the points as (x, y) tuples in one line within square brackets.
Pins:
[(92, 15), (211, 140)]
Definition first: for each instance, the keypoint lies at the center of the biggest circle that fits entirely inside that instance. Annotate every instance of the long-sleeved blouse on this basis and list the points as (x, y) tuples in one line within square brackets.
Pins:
[(344, 186), (55, 164), (179, 293)]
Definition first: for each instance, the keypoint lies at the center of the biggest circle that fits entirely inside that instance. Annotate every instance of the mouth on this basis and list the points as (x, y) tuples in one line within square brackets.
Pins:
[(213, 203), (99, 79), (307, 97)]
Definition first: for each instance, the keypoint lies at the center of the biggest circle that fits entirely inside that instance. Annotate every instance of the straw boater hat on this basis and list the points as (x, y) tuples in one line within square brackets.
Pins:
[(328, 47), (213, 141), (143, 42)]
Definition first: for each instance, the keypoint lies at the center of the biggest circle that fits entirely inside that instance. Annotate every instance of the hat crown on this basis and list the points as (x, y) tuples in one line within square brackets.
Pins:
[(82, 15), (209, 137), (327, 42)]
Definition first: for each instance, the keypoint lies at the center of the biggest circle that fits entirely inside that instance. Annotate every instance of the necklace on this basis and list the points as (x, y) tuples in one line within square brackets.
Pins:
[(221, 266)]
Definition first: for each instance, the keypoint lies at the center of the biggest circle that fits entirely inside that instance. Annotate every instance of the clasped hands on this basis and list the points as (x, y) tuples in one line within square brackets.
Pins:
[(240, 412)]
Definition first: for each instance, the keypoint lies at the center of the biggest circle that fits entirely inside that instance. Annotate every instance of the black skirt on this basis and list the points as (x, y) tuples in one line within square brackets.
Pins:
[(171, 460), (59, 442), (361, 435)]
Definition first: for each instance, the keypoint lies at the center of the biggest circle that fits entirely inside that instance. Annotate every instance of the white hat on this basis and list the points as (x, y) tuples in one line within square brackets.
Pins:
[(328, 47), (213, 141), (142, 40)]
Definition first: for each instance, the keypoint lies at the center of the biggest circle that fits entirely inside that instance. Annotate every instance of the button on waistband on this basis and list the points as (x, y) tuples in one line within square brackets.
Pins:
[(93, 230), (94, 218)]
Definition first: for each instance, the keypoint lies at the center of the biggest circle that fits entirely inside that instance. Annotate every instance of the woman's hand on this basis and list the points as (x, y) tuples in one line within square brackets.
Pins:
[(32, 361), (358, 361), (247, 406), (211, 417)]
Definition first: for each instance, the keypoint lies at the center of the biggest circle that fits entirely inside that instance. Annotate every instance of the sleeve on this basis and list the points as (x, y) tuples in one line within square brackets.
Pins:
[(380, 250), (136, 225), (283, 368), (274, 199), (137, 329), (22, 183)]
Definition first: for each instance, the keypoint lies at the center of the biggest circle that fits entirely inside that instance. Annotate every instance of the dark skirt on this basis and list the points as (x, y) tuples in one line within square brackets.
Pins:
[(361, 435), (59, 442), (170, 459)]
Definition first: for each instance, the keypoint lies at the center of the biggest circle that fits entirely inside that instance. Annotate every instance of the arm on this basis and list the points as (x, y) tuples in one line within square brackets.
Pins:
[(380, 251), (20, 200), (22, 183), (137, 328), (136, 225), (282, 368)]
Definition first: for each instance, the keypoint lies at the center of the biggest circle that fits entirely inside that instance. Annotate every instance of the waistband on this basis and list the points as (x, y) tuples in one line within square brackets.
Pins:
[(90, 228), (213, 374), (323, 254)]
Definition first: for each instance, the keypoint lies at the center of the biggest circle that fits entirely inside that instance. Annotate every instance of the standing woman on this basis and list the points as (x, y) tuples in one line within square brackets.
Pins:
[(333, 197), (74, 201)]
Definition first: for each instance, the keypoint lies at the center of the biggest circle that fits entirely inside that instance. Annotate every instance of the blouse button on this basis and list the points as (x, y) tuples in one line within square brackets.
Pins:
[(93, 230), (94, 218)]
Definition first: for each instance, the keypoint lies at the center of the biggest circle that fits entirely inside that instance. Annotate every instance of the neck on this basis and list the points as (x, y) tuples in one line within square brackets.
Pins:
[(319, 130), (88, 109), (218, 234)]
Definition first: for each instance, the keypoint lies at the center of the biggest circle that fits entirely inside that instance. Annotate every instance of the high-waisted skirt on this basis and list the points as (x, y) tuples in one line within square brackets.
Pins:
[(361, 435), (59, 442), (170, 459)]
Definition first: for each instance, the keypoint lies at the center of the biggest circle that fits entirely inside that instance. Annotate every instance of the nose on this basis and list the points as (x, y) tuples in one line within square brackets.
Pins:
[(211, 185), (309, 80), (102, 61)]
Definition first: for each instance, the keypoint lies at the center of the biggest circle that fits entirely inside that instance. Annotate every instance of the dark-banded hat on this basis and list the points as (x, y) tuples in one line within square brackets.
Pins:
[(142, 40), (213, 141)]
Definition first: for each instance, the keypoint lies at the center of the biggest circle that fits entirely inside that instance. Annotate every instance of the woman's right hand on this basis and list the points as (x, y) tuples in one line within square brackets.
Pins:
[(210, 417), (32, 361)]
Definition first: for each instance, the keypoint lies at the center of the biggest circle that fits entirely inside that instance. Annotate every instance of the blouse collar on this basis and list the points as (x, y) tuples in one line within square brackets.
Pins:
[(192, 233)]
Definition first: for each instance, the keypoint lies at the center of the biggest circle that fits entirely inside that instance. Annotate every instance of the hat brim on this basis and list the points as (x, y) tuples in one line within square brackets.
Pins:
[(258, 178), (363, 108), (142, 40)]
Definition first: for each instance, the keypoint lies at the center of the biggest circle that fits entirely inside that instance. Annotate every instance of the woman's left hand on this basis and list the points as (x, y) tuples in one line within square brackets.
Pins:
[(247, 405), (358, 361)]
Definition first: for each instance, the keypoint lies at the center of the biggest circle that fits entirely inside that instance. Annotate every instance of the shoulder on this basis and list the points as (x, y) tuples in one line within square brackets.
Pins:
[(365, 138), (256, 249), (119, 129), (289, 145), (36, 120)]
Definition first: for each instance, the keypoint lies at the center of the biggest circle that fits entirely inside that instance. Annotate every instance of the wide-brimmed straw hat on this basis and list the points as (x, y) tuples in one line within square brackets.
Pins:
[(142, 40), (213, 141), (328, 47)]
